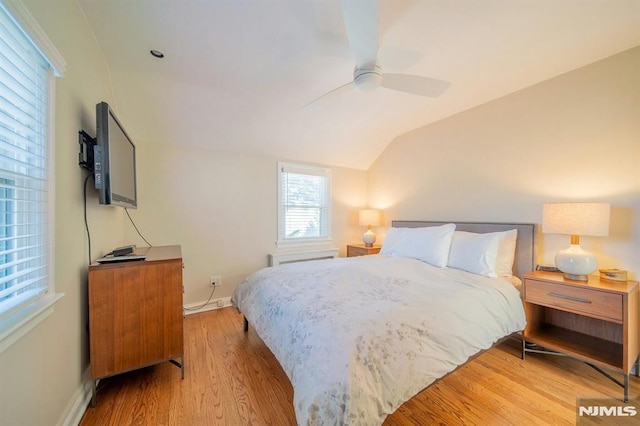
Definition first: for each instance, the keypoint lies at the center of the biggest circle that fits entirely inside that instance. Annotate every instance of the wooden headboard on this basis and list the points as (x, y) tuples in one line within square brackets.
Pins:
[(525, 244)]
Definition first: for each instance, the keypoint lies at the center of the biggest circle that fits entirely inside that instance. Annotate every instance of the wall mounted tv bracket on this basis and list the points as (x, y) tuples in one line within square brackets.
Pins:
[(86, 158)]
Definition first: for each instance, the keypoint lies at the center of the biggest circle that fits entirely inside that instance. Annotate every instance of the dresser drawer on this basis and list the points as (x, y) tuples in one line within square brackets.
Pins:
[(585, 301)]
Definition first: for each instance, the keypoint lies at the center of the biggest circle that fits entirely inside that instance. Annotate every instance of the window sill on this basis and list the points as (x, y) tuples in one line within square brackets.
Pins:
[(16, 325)]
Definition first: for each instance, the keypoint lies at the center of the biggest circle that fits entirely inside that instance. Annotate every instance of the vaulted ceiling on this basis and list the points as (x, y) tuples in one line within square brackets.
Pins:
[(237, 74)]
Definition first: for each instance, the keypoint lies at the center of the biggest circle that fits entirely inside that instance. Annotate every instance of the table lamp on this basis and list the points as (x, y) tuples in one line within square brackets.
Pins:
[(575, 219), (369, 218)]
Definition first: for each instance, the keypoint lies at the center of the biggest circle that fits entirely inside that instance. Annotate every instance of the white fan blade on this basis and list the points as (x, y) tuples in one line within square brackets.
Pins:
[(415, 84), (339, 88), (361, 22)]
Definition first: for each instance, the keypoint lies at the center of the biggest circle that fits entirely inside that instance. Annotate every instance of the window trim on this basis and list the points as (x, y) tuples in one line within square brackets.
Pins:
[(303, 242), (30, 27), (18, 324), (15, 325)]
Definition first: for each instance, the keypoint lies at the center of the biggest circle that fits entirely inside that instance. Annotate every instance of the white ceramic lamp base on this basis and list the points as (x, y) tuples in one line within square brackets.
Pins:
[(369, 238), (576, 263)]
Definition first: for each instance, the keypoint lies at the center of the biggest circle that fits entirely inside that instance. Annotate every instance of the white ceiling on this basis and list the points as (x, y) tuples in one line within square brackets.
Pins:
[(238, 73)]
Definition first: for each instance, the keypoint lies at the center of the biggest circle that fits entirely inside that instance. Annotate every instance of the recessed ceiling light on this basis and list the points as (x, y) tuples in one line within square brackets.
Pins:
[(156, 53)]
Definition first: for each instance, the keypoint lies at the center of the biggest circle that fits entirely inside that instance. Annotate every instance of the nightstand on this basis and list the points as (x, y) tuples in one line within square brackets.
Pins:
[(595, 321), (361, 250)]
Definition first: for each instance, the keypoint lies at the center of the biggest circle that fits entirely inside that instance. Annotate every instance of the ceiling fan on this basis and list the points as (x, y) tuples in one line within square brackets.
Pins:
[(361, 23)]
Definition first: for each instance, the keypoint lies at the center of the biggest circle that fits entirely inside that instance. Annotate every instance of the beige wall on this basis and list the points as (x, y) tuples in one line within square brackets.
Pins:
[(222, 208), (572, 138), (41, 375)]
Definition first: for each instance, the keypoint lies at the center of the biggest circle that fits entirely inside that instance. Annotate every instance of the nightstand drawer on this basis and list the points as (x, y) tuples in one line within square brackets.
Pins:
[(361, 250), (585, 301)]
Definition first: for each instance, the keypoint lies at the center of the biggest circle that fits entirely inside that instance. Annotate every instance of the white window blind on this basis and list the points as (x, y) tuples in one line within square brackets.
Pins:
[(304, 203), (24, 81)]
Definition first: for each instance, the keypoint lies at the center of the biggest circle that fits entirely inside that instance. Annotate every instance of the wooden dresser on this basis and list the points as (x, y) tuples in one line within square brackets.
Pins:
[(136, 313), (594, 321)]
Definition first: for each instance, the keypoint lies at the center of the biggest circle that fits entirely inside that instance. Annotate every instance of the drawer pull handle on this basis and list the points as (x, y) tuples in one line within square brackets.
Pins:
[(572, 298)]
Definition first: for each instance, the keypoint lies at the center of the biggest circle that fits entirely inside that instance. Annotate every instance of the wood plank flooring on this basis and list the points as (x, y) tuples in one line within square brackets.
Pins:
[(232, 378)]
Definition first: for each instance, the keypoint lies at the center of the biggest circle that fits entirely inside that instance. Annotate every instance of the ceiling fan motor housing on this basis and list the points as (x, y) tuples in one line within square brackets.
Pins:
[(367, 79)]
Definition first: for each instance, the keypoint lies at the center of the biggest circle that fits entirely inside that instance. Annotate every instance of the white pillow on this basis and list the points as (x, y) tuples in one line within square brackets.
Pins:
[(430, 245), (490, 254), (391, 241), (476, 253), (506, 253)]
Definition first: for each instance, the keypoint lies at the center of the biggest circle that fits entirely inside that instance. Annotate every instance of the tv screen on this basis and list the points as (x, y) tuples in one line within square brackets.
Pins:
[(115, 160)]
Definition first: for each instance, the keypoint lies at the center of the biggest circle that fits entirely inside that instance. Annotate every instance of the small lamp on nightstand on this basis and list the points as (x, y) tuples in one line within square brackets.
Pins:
[(575, 219), (369, 218)]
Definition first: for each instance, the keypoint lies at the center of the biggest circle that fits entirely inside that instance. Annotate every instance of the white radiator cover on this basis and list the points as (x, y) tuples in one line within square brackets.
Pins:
[(276, 259)]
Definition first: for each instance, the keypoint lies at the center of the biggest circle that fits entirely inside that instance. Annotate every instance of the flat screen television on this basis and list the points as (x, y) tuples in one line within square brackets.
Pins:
[(114, 160)]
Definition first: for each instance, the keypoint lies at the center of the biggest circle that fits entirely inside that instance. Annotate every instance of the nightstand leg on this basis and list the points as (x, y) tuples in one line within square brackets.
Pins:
[(182, 367), (524, 344), (638, 367)]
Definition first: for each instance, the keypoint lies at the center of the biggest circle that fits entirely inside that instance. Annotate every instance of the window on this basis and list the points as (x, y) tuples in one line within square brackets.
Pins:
[(26, 211), (7, 220), (304, 204)]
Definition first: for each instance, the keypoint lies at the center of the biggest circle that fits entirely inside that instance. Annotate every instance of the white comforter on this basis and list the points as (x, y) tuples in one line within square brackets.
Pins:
[(360, 336)]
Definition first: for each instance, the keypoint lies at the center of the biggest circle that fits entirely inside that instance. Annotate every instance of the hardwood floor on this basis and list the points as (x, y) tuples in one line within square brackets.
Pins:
[(231, 378)]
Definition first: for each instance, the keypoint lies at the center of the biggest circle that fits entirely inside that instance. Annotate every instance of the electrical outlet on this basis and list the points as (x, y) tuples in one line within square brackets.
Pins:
[(220, 303), (215, 280)]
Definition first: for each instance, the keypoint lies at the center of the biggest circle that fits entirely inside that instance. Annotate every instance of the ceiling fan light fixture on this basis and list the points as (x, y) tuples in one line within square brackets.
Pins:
[(361, 24), (367, 80)]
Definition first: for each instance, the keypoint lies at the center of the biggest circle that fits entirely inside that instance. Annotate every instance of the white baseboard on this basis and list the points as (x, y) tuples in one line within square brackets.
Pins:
[(195, 308), (78, 403)]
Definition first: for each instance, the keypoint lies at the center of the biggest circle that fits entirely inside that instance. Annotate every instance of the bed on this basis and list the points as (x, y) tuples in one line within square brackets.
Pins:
[(359, 336)]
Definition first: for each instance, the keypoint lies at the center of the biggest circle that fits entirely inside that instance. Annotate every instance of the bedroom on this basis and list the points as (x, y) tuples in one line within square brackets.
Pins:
[(573, 136)]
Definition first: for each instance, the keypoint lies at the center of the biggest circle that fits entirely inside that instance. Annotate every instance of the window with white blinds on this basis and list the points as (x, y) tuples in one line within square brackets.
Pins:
[(304, 204), (24, 176)]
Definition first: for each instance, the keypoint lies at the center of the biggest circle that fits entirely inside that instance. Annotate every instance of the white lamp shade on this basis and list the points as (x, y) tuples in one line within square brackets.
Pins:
[(590, 219), (369, 217)]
